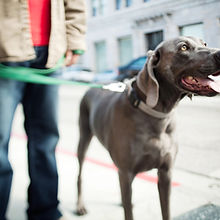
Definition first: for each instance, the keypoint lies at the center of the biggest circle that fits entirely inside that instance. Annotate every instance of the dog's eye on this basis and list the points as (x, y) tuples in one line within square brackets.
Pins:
[(184, 47), (205, 44)]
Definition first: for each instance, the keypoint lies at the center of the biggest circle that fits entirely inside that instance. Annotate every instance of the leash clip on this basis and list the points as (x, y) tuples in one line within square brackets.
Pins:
[(115, 87)]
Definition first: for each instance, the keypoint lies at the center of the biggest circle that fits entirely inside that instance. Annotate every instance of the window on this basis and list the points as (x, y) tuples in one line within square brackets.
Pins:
[(153, 39), (100, 52), (98, 7), (94, 8), (102, 7), (125, 50), (128, 3), (118, 4), (195, 30)]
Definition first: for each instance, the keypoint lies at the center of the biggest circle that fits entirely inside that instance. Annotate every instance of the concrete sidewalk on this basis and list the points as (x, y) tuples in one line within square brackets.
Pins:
[(100, 179), (101, 188)]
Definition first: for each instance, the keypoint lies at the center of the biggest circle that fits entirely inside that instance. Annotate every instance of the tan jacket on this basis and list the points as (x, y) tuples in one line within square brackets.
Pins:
[(68, 26)]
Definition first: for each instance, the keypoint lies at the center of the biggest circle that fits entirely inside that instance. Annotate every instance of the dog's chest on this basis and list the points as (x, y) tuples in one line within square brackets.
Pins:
[(153, 152)]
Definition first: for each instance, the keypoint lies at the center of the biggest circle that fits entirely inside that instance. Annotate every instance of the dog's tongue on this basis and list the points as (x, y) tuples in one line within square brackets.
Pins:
[(215, 86), (212, 82), (215, 83)]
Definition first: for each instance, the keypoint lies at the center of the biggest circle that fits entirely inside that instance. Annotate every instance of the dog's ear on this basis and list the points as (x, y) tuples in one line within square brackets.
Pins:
[(147, 81)]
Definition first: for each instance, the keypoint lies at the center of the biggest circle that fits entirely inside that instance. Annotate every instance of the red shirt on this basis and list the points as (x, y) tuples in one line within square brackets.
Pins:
[(40, 21)]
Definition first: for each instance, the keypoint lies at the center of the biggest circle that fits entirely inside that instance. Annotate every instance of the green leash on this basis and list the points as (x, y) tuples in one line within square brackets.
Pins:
[(33, 75)]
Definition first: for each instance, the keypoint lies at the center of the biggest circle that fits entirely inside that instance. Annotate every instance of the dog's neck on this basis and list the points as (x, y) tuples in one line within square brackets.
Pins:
[(140, 94), (169, 95), (138, 100)]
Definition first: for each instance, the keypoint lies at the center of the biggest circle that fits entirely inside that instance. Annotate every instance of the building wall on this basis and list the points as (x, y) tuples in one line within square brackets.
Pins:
[(142, 18)]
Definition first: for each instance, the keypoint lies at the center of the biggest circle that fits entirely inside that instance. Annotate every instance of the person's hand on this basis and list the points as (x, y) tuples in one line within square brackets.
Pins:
[(71, 58)]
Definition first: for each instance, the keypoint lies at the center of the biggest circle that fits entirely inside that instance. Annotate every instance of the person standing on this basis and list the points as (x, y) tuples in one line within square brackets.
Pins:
[(36, 34)]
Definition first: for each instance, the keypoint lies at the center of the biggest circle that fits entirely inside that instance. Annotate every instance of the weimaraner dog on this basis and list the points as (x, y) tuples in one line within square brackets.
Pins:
[(137, 126)]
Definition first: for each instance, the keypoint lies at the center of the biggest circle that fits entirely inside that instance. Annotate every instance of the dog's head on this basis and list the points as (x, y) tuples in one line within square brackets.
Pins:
[(186, 63)]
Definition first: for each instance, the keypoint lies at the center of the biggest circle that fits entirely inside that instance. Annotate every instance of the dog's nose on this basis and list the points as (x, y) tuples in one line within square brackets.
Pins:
[(217, 56)]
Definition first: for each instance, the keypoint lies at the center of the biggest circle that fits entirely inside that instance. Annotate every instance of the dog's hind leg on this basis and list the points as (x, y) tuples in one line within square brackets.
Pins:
[(85, 138), (126, 179)]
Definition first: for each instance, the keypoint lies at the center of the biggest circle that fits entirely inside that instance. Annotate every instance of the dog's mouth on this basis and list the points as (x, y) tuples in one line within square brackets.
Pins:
[(208, 86)]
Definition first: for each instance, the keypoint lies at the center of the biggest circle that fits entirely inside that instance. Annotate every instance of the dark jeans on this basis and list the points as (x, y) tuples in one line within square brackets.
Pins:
[(40, 111)]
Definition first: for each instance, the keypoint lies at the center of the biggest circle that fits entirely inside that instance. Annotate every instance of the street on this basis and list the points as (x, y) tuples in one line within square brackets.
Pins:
[(196, 177)]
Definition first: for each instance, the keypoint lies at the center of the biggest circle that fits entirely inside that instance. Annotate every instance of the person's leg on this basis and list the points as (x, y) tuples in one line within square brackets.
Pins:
[(10, 95), (40, 109)]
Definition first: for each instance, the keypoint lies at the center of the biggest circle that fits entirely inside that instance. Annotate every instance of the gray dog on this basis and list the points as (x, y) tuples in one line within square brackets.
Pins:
[(137, 126)]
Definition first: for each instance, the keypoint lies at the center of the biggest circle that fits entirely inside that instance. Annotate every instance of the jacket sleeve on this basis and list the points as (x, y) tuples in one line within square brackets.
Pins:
[(75, 14)]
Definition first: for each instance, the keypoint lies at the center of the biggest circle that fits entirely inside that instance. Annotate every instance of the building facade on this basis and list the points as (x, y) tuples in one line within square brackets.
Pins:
[(121, 30)]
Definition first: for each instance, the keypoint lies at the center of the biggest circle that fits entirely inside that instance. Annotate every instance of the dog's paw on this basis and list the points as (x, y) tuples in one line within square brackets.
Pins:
[(81, 210)]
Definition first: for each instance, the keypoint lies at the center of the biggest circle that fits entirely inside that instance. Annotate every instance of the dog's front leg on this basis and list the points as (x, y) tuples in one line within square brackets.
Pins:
[(126, 179), (164, 187)]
